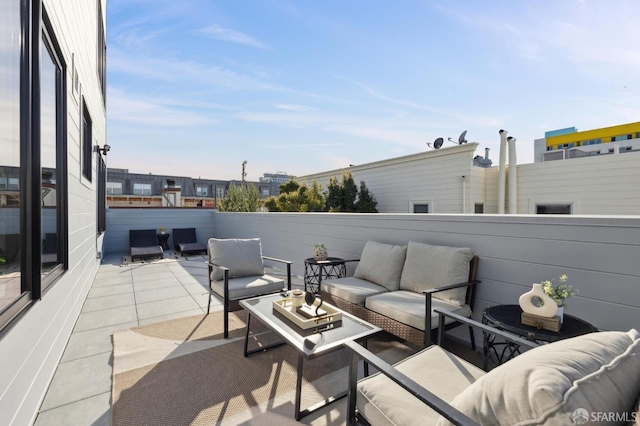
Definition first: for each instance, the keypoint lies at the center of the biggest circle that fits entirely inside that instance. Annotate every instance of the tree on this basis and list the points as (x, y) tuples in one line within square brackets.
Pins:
[(241, 199), (341, 196), (366, 200), (296, 197)]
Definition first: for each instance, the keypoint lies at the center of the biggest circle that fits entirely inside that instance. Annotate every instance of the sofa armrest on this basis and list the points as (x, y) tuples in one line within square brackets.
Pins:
[(287, 262), (452, 286), (425, 396), (510, 337), (429, 304)]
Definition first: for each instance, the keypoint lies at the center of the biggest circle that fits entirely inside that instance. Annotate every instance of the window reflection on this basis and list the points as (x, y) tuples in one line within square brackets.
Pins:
[(49, 127), (10, 273)]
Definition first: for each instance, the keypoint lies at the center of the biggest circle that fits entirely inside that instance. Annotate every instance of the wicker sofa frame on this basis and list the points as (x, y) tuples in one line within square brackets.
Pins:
[(403, 331)]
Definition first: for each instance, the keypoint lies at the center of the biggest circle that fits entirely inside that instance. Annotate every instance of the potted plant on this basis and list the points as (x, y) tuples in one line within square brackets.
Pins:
[(162, 229), (559, 291), (320, 252)]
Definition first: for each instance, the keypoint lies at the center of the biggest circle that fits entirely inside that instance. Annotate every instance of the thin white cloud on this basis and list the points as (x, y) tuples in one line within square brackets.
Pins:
[(225, 34), (291, 107)]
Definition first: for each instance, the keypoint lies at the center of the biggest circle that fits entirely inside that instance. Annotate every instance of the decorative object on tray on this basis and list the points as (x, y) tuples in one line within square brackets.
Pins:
[(297, 299), (536, 302), (162, 229), (320, 252), (331, 315), (559, 291)]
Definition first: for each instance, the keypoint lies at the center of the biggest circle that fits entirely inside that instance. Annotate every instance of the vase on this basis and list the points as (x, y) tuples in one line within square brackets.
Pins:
[(560, 313), (547, 306), (320, 253)]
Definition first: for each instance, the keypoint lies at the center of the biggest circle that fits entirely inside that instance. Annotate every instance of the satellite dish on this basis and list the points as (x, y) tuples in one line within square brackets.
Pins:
[(462, 137), (437, 144)]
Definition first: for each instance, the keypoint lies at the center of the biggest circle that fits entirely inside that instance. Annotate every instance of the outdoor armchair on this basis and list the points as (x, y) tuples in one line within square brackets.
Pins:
[(557, 383), (236, 272)]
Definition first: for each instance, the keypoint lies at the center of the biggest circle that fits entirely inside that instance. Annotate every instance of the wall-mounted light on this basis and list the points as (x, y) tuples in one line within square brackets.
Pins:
[(106, 148)]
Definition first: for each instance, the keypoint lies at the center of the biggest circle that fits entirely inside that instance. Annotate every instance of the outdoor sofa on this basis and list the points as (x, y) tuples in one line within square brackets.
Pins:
[(589, 379), (397, 287)]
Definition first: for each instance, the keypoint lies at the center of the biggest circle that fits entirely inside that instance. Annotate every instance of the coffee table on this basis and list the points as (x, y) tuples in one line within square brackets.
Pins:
[(307, 344)]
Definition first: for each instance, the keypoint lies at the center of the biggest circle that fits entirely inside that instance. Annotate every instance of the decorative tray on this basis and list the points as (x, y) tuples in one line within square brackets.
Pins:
[(285, 308)]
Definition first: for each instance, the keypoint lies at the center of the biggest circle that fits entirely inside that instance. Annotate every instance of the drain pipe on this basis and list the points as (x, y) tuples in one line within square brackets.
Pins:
[(463, 179), (502, 177), (513, 173)]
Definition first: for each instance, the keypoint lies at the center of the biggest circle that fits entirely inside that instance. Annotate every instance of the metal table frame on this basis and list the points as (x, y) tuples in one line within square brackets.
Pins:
[(304, 342), (316, 270)]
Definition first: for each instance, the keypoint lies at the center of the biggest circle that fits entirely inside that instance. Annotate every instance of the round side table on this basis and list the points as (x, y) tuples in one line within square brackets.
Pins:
[(163, 240), (317, 270)]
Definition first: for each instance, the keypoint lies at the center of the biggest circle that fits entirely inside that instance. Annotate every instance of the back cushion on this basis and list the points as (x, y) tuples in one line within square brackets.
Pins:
[(242, 257), (430, 266), (381, 264), (556, 383)]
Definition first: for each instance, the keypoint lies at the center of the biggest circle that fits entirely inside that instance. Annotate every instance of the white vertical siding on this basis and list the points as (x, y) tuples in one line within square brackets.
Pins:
[(32, 348)]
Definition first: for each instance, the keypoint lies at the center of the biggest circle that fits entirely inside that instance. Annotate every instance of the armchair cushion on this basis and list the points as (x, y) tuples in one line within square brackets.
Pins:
[(429, 266), (383, 402), (351, 289), (243, 257), (597, 372), (243, 287), (381, 264), (408, 307)]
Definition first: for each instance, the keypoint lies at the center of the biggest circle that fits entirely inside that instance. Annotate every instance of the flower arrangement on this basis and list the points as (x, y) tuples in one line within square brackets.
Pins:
[(319, 245), (558, 289), (162, 229)]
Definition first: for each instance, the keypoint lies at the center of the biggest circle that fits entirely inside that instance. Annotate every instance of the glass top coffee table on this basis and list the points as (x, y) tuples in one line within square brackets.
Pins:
[(308, 344)]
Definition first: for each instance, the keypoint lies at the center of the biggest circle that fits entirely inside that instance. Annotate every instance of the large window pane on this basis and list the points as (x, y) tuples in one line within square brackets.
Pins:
[(50, 122), (10, 205)]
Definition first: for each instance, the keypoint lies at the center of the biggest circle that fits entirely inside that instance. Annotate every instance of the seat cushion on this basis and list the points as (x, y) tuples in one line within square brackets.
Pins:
[(430, 267), (243, 287), (383, 402), (243, 257), (151, 251), (596, 372), (381, 264), (354, 290), (408, 308), (191, 247)]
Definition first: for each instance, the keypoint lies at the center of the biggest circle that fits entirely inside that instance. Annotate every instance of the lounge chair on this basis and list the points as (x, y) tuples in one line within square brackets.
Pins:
[(236, 272), (50, 248), (185, 241), (143, 243)]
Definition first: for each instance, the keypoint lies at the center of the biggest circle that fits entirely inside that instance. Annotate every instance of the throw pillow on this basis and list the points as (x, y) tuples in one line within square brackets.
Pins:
[(381, 264)]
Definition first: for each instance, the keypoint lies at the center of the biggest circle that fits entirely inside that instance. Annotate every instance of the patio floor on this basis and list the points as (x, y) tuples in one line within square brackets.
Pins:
[(120, 297)]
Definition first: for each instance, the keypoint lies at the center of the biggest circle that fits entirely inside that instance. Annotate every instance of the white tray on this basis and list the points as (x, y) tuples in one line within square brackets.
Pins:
[(285, 308)]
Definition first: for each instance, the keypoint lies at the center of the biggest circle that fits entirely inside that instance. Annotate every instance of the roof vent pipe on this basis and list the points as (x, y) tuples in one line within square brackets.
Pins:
[(513, 171), (502, 177), (486, 153)]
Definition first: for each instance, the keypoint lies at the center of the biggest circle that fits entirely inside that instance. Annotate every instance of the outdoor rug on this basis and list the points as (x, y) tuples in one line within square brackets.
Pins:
[(182, 372), (169, 256)]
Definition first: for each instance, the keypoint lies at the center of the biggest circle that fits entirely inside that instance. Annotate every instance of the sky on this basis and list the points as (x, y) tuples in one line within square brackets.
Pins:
[(196, 87)]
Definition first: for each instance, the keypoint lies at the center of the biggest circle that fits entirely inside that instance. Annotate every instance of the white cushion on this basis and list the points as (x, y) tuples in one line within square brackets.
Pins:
[(408, 307), (381, 264), (243, 287), (243, 257), (430, 267), (596, 372), (351, 289)]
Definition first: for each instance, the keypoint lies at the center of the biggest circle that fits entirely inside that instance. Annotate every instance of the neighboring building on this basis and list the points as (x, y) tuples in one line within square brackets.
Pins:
[(452, 180), (52, 180), (570, 143), (278, 177), (125, 189)]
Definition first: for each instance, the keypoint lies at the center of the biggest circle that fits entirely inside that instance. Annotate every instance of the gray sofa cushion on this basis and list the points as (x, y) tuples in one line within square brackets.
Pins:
[(430, 267), (383, 402), (243, 287), (243, 257), (354, 290), (381, 264), (597, 372), (408, 308)]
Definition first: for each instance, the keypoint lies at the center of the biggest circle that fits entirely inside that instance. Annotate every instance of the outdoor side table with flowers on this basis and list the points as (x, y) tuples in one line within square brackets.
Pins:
[(559, 291)]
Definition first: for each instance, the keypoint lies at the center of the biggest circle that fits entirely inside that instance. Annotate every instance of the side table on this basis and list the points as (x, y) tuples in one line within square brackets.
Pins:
[(316, 270), (163, 240), (507, 317)]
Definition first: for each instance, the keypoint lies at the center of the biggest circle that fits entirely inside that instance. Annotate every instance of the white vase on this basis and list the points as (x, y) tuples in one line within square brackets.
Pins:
[(548, 307), (320, 253), (560, 313)]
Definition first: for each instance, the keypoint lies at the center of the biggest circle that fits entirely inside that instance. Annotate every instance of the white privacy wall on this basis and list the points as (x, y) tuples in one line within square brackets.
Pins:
[(599, 254)]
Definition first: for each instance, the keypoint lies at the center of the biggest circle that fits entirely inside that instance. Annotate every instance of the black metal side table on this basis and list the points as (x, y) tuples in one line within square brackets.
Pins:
[(507, 317), (317, 270), (163, 240)]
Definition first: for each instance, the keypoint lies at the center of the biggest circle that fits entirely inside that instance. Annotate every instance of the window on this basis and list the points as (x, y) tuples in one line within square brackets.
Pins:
[(219, 192), (479, 208), (141, 189), (102, 53), (553, 208), (265, 192), (420, 208), (201, 191), (114, 188), (87, 142), (101, 205)]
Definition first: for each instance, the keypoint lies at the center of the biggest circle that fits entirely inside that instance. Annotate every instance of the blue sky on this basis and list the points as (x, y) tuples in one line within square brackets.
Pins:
[(195, 87)]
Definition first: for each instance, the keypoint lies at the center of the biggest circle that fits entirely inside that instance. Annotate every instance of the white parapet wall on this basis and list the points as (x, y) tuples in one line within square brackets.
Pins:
[(599, 254)]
